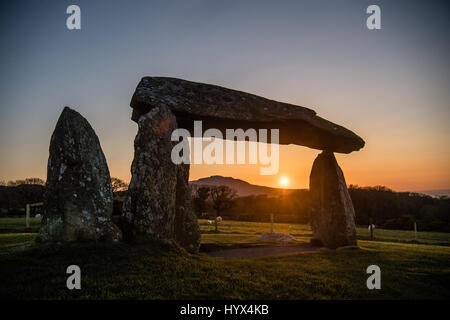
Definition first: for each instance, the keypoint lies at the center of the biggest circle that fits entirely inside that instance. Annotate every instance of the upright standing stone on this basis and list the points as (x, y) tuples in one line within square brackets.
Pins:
[(158, 205), (333, 216), (78, 199), (149, 210)]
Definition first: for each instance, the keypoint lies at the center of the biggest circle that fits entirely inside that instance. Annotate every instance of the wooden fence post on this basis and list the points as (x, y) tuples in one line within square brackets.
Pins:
[(27, 216), (271, 222), (415, 230)]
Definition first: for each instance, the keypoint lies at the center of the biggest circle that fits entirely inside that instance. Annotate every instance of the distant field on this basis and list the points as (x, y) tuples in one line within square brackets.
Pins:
[(12, 232), (153, 271), (240, 231)]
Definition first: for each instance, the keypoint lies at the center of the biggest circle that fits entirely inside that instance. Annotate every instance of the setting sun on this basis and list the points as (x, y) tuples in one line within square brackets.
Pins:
[(284, 181)]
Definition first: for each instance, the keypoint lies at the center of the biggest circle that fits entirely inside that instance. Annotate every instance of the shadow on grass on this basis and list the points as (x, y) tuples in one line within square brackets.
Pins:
[(368, 238)]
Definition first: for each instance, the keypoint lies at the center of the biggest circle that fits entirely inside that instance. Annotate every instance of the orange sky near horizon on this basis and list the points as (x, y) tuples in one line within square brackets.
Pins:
[(364, 168), (361, 168), (404, 153)]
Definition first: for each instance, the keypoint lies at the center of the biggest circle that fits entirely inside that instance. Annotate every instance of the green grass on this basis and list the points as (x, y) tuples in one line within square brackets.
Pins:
[(13, 232), (243, 232), (17, 225), (154, 271)]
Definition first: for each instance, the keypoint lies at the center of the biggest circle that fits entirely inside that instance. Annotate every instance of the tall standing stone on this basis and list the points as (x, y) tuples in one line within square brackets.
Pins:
[(78, 199), (158, 205), (149, 210), (333, 215)]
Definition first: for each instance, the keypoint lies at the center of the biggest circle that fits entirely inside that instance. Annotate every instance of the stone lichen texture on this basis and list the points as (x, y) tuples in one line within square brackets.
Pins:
[(158, 203), (78, 199), (333, 215), (187, 231)]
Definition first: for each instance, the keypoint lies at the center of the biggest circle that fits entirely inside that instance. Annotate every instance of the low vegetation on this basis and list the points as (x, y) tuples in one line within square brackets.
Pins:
[(154, 271)]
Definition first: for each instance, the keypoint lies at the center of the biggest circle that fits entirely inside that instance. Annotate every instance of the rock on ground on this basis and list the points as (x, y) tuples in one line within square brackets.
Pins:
[(333, 215), (277, 237), (78, 199)]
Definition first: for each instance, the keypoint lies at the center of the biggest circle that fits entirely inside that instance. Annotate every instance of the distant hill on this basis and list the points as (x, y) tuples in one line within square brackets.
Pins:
[(436, 193), (243, 188)]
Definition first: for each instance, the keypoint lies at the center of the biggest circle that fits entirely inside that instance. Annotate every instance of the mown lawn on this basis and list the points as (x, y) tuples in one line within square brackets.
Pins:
[(154, 271), (241, 231)]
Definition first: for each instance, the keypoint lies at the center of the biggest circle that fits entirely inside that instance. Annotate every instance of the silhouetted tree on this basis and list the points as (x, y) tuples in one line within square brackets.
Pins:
[(118, 184), (200, 199), (36, 181)]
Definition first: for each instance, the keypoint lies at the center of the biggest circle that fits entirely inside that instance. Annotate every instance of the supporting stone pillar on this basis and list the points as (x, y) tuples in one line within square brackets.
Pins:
[(149, 210), (333, 215), (158, 205), (187, 231)]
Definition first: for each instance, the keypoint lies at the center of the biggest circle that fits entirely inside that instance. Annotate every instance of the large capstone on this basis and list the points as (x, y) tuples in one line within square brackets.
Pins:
[(78, 199), (223, 108), (158, 203), (333, 215)]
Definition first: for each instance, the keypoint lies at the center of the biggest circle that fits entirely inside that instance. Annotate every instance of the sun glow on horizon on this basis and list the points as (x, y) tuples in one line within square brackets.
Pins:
[(284, 181)]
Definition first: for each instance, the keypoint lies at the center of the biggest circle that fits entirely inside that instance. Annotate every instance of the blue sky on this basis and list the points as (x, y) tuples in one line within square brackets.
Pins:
[(391, 86)]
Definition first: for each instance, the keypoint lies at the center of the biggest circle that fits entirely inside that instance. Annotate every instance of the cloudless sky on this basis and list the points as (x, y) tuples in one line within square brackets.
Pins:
[(390, 86)]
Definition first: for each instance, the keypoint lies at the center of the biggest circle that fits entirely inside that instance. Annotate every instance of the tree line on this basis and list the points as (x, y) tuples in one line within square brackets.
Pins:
[(15, 183), (377, 205), (380, 205)]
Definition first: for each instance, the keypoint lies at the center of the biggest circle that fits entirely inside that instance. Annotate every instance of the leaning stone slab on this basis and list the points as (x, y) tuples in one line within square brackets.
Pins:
[(223, 108), (78, 199), (333, 215)]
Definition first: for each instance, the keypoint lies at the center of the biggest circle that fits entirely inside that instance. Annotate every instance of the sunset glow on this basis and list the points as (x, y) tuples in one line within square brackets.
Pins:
[(397, 101), (284, 181)]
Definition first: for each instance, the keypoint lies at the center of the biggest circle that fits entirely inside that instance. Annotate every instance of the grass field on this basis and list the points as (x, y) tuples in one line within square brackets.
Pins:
[(153, 271)]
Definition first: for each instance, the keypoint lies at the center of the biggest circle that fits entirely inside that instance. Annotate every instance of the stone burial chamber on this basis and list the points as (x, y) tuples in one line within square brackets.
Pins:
[(158, 203), (78, 200)]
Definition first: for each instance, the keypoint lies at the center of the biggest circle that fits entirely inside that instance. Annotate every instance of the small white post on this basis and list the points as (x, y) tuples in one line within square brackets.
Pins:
[(27, 216), (271, 223)]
